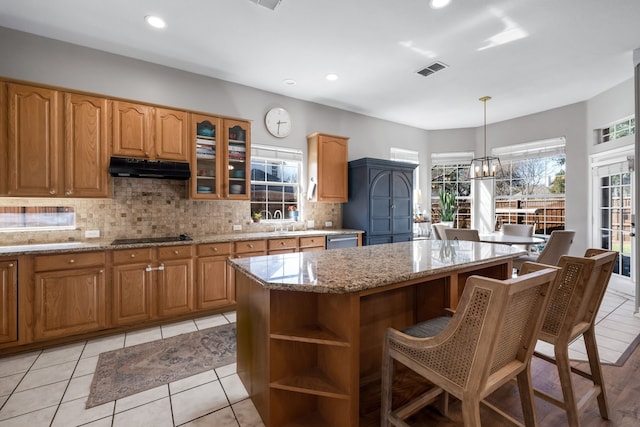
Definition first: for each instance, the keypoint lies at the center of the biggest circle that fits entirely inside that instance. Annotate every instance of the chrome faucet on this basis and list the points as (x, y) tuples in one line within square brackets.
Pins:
[(266, 214), (277, 214)]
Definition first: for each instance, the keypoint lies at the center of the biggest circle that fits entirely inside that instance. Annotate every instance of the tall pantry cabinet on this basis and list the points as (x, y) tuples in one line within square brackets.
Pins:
[(380, 200)]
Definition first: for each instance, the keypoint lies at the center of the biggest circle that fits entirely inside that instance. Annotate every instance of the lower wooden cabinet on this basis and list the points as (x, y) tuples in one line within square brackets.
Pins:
[(151, 282), (8, 301), (70, 295), (214, 284)]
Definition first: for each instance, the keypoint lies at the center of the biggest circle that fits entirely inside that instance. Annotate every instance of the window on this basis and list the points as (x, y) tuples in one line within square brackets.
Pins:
[(275, 182), (450, 173), (617, 130), (29, 218), (531, 187)]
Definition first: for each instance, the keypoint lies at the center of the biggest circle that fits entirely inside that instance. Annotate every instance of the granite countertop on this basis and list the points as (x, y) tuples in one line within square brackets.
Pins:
[(102, 244), (367, 267)]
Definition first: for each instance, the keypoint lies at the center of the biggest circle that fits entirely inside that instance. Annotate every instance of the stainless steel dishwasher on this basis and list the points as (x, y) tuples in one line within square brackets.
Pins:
[(342, 241)]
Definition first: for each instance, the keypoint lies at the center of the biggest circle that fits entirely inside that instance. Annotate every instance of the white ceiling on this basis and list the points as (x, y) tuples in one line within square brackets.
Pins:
[(567, 50)]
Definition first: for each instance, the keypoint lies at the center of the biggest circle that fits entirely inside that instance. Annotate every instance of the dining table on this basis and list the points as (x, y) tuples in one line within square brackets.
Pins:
[(509, 239)]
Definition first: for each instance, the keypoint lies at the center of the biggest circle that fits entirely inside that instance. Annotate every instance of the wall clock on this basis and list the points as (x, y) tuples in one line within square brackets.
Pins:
[(278, 122)]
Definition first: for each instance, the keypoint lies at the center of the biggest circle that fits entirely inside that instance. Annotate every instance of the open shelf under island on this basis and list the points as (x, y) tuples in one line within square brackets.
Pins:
[(310, 325)]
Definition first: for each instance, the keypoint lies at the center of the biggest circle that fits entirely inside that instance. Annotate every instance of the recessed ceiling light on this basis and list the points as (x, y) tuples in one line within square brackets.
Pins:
[(289, 82), (155, 21), (439, 4), (332, 77)]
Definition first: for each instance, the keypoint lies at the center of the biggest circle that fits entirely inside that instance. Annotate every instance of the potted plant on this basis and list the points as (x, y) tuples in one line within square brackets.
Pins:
[(255, 216), (293, 212), (447, 206)]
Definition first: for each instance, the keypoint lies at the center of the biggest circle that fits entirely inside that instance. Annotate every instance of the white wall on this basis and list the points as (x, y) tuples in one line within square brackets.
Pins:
[(36, 59)]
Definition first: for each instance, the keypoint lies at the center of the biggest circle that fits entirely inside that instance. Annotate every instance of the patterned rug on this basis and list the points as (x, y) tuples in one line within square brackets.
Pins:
[(130, 370)]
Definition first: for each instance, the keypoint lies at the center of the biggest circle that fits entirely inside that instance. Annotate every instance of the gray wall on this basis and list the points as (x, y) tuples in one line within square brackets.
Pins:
[(32, 58)]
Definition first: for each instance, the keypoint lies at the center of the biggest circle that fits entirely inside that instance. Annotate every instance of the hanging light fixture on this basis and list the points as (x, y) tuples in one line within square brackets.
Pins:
[(484, 167)]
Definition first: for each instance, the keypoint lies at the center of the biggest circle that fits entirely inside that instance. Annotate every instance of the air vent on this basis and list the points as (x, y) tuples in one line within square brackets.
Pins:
[(269, 4), (436, 66)]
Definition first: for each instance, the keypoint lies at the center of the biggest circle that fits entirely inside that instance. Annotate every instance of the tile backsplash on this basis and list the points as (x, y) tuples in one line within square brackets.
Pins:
[(155, 208)]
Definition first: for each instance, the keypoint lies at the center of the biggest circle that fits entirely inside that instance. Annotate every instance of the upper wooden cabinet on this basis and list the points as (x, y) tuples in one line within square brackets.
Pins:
[(31, 147), (146, 132), (237, 159), (56, 143), (327, 167), (86, 146)]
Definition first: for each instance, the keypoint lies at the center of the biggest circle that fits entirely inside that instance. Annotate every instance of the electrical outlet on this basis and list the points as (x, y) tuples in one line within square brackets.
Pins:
[(237, 227), (311, 223), (328, 224), (91, 234)]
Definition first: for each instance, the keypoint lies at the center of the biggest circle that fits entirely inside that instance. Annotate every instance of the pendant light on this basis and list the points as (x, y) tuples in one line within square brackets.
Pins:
[(484, 167)]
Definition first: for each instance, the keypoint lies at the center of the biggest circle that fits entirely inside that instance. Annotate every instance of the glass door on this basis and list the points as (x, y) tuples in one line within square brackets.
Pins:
[(616, 190)]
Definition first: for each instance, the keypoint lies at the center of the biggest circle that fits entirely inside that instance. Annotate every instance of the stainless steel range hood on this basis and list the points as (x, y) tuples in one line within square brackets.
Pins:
[(140, 168)]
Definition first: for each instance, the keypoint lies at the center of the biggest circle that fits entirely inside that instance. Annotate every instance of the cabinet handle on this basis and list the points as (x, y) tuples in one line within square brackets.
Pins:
[(161, 267), (148, 268), (281, 243), (10, 265), (133, 255), (176, 252), (251, 246), (214, 249), (52, 191), (101, 271), (68, 192), (72, 261)]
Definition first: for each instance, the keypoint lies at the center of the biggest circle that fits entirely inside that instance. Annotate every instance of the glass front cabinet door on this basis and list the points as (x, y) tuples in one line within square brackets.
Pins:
[(206, 176), (237, 159)]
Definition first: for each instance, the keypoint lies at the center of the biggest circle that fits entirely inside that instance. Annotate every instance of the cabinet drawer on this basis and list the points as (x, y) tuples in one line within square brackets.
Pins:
[(126, 256), (175, 252), (250, 246), (277, 244), (312, 242), (67, 261), (215, 249)]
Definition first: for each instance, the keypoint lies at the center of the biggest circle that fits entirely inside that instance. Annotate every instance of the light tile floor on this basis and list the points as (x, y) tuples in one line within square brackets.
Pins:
[(50, 388)]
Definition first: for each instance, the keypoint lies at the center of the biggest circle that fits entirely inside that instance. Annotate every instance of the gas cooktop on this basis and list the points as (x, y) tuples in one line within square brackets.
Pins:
[(180, 238)]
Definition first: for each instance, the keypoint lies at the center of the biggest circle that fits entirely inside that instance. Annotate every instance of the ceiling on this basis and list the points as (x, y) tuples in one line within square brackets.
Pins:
[(529, 55)]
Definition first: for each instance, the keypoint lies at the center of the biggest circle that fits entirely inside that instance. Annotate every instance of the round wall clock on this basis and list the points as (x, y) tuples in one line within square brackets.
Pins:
[(278, 122)]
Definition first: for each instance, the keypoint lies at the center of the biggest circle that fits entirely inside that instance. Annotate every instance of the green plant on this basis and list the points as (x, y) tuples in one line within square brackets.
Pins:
[(447, 205), (256, 215)]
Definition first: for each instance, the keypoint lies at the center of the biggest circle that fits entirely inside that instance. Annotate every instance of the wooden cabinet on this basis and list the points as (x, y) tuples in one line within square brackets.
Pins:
[(86, 146), (214, 287), (69, 294), (248, 248), (314, 243), (56, 143), (282, 246), (327, 167), (206, 157), (380, 200), (143, 131), (8, 301), (32, 144), (151, 282), (237, 159)]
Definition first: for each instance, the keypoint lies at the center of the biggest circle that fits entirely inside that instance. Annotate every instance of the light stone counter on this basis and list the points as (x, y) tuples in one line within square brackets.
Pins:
[(367, 267), (101, 244)]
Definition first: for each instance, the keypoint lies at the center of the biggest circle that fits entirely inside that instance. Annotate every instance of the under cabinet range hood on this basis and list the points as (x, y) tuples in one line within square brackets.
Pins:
[(141, 168)]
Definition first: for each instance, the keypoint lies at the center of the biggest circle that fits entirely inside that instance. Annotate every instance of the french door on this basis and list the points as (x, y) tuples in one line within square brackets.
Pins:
[(615, 191)]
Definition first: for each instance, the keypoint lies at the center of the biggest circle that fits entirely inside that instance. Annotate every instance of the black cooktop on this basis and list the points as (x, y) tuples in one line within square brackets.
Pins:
[(180, 238)]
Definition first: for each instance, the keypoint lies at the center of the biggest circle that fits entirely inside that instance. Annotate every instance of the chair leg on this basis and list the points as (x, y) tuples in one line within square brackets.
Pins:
[(596, 371), (525, 388), (569, 397), (471, 411), (386, 390)]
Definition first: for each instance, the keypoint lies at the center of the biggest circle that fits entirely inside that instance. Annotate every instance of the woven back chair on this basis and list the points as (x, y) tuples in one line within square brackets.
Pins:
[(517, 229), (575, 300), (462, 234), (559, 243), (488, 341), (438, 231)]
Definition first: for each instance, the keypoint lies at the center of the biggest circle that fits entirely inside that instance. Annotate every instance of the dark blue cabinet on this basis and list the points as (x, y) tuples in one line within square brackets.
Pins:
[(380, 200)]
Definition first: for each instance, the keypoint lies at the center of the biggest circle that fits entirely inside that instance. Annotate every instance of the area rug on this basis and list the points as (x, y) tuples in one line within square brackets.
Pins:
[(130, 370)]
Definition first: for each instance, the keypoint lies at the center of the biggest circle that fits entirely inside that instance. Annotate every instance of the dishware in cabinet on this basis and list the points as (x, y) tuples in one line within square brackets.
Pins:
[(237, 159), (206, 176)]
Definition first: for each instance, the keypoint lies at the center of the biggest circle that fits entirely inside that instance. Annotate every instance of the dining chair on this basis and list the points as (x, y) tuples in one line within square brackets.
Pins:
[(438, 231), (487, 342), (574, 303), (469, 234), (517, 229), (559, 243)]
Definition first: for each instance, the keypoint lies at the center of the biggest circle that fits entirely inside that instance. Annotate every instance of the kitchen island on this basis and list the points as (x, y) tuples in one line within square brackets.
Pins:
[(310, 325)]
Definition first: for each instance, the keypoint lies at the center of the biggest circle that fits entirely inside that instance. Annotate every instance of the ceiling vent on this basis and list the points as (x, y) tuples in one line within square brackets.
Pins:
[(270, 4), (435, 67)]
